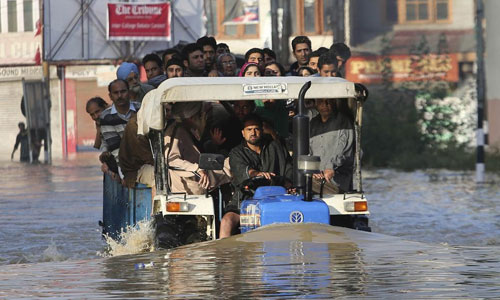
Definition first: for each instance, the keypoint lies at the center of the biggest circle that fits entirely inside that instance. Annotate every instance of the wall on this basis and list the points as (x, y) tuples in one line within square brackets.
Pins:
[(369, 20)]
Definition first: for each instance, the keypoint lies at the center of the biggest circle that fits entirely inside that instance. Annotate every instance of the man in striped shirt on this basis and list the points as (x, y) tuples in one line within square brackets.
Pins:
[(113, 122)]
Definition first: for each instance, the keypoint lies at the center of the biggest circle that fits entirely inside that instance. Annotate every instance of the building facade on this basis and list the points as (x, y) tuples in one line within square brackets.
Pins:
[(20, 48)]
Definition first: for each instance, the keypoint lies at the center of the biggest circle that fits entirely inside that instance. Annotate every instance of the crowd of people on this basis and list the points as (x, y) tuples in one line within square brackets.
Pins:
[(252, 135)]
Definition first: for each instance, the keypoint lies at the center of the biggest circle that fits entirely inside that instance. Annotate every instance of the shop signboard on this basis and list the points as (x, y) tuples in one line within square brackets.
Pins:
[(401, 68)]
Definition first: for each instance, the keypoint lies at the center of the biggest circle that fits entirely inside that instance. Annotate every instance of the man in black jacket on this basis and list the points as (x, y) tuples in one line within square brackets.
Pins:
[(257, 155), (301, 46)]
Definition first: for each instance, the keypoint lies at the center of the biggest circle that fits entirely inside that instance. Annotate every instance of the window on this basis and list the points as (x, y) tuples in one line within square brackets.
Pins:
[(442, 10), (311, 17), (28, 15), (216, 10), (421, 11), (12, 15)]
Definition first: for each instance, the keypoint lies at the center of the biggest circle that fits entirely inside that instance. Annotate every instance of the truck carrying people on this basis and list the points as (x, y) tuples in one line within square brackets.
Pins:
[(205, 188)]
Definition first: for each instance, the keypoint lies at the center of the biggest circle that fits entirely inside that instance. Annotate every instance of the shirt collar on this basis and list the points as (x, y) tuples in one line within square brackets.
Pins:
[(114, 111)]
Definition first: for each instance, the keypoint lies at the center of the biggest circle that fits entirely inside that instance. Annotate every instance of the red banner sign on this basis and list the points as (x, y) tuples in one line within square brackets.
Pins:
[(144, 21), (403, 68)]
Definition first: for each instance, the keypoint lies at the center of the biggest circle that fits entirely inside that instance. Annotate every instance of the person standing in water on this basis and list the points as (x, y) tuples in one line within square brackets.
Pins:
[(22, 139)]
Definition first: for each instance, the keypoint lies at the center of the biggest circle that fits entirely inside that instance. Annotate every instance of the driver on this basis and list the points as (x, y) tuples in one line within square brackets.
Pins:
[(257, 155)]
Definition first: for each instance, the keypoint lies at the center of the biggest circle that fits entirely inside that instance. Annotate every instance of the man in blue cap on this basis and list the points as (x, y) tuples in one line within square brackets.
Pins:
[(130, 73)]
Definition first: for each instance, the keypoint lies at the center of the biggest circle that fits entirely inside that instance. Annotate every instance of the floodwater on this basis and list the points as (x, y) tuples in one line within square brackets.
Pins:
[(436, 235)]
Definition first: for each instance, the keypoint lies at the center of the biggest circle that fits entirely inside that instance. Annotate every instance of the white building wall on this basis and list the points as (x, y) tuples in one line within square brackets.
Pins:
[(4, 16), (462, 17)]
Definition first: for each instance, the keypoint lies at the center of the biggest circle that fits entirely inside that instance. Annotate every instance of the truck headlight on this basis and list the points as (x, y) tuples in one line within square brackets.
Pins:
[(355, 206)]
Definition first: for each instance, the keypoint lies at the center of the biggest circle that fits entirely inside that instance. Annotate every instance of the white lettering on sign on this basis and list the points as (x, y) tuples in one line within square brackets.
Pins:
[(19, 48), (81, 72), (266, 88), (137, 10), (20, 72)]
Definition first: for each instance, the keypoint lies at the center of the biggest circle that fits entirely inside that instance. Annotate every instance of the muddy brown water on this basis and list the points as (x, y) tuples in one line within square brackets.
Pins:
[(436, 235)]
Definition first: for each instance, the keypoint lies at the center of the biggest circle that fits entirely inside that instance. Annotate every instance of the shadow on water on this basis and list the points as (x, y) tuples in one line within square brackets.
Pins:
[(293, 261)]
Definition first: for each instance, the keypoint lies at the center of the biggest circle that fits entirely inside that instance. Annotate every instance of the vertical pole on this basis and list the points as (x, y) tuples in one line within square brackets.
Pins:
[(274, 27), (64, 126), (28, 120), (47, 106), (347, 22), (82, 30), (357, 154), (480, 80), (285, 35), (172, 21)]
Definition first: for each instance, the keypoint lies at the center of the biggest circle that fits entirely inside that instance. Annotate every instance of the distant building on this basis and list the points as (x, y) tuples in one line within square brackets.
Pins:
[(20, 54), (311, 18), (394, 28)]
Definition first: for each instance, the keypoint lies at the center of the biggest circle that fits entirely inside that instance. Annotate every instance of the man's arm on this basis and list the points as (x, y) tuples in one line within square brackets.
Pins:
[(343, 149), (240, 165), (175, 157)]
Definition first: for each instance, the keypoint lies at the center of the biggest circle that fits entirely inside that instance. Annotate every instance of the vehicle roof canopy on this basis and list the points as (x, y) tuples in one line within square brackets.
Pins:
[(251, 88), (184, 89)]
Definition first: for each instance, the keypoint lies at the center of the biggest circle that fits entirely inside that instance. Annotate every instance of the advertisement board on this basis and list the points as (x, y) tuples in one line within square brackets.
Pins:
[(369, 69), (143, 21)]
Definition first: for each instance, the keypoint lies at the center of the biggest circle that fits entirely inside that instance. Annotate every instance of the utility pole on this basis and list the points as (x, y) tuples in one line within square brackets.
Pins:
[(480, 82), (285, 34), (275, 39)]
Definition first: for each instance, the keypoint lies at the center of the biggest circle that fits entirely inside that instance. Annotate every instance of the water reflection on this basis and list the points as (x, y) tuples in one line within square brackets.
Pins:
[(313, 261), (308, 261), (49, 214)]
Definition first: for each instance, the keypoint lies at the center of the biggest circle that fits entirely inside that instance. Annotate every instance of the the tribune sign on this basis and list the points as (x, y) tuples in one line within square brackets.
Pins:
[(142, 21)]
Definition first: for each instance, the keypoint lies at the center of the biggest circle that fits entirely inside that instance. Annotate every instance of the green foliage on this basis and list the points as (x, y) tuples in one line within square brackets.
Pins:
[(392, 137), (411, 125)]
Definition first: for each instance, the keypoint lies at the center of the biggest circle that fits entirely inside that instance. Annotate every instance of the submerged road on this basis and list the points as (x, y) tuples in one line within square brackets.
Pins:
[(281, 261), (440, 239)]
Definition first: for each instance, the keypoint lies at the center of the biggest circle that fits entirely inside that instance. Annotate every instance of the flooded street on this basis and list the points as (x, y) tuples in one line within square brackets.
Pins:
[(435, 235)]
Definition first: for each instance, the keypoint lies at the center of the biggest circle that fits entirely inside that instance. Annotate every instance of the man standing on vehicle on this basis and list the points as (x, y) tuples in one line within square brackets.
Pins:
[(301, 46), (193, 60), (342, 53), (174, 68), (327, 65), (154, 69), (257, 155), (113, 121), (208, 44), (130, 73)]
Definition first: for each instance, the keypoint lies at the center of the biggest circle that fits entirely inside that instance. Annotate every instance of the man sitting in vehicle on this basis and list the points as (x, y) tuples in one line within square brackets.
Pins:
[(183, 148), (257, 155), (332, 139)]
